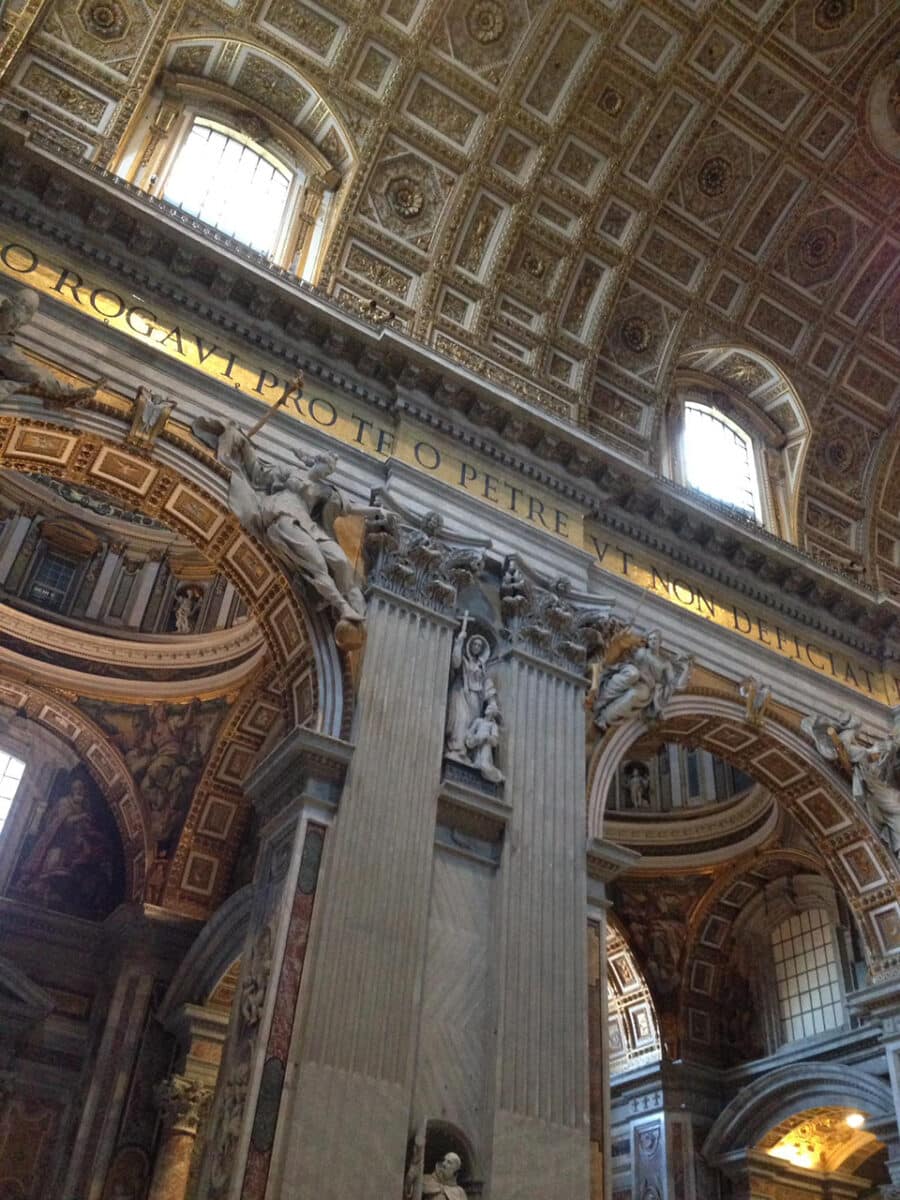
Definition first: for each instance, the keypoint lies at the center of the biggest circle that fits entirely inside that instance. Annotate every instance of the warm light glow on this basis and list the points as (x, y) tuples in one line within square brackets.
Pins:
[(855, 1120), (794, 1155)]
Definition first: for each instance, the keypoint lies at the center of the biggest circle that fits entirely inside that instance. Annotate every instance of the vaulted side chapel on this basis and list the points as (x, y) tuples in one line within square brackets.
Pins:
[(449, 600)]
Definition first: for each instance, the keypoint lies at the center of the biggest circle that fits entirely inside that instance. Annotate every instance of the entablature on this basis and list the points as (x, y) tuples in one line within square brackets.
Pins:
[(86, 215)]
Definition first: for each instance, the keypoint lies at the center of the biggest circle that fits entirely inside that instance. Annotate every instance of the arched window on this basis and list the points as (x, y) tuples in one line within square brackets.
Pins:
[(238, 168), (233, 184), (11, 772), (718, 459), (807, 975)]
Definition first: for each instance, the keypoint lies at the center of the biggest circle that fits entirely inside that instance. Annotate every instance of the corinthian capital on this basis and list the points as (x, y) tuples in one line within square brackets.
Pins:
[(550, 620), (182, 1103), (417, 558)]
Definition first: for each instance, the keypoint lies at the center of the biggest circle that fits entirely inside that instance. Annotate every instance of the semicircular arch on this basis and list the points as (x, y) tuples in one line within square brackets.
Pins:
[(777, 757), (189, 497), (787, 1091)]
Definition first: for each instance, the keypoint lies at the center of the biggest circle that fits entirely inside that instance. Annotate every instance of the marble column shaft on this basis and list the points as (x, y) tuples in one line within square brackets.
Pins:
[(350, 1079), (541, 1123), (181, 1102)]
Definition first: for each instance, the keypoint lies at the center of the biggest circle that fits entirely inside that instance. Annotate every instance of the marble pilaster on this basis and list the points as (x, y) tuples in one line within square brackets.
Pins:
[(145, 944), (351, 1075), (541, 1120), (294, 790)]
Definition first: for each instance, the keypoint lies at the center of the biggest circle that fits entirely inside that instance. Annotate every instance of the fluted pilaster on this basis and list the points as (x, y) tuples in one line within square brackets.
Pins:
[(354, 1061)]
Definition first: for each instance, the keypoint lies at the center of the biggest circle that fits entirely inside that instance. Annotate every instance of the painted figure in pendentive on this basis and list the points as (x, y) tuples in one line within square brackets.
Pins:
[(20, 376), (471, 689)]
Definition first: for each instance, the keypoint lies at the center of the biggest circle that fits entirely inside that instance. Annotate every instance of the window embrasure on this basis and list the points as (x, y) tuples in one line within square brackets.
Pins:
[(11, 772), (250, 176)]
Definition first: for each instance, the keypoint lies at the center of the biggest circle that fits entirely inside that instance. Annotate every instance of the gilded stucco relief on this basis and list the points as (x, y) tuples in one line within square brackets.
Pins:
[(559, 194)]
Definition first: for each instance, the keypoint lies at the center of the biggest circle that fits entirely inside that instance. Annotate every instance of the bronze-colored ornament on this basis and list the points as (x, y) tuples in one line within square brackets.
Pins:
[(405, 197), (715, 176), (486, 21)]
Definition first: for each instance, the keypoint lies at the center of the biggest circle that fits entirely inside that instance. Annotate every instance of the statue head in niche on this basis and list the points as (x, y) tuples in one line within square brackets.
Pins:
[(71, 859), (437, 1158)]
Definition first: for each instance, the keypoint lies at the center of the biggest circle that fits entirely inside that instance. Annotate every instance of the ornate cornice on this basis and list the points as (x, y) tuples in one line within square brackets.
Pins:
[(169, 256)]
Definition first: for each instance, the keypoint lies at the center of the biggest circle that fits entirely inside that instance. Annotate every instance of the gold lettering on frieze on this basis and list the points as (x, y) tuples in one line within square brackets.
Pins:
[(628, 561), (354, 424)]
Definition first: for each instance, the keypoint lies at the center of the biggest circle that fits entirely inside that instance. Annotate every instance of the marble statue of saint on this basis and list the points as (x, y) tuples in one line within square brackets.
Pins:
[(874, 769), (637, 781), (442, 1181), (20, 376), (633, 678), (293, 510), (483, 739), (471, 689)]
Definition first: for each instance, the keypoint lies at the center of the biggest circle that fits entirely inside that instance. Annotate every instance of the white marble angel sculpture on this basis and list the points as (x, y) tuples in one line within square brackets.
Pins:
[(18, 374), (292, 509), (874, 769), (633, 677)]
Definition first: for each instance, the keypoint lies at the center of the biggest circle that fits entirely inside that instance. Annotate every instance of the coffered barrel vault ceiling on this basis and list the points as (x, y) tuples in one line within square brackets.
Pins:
[(578, 200)]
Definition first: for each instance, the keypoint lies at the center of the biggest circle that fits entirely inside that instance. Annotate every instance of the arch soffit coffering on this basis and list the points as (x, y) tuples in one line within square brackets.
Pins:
[(791, 1090), (860, 864), (190, 497)]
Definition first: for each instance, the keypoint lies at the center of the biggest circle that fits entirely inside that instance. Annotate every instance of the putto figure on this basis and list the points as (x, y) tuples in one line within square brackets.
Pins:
[(634, 677), (473, 711), (21, 377), (293, 510)]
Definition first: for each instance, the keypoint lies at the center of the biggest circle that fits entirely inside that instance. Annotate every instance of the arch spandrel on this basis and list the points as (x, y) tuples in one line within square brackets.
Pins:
[(305, 679), (863, 868)]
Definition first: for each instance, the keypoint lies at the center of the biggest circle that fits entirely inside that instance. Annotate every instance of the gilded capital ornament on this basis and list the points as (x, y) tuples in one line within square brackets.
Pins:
[(417, 558), (182, 1103)]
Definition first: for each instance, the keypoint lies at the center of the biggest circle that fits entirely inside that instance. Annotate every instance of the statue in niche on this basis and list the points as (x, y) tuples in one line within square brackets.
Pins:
[(293, 510), (187, 608), (873, 767), (440, 1182), (473, 711), (20, 376), (634, 677), (637, 784)]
